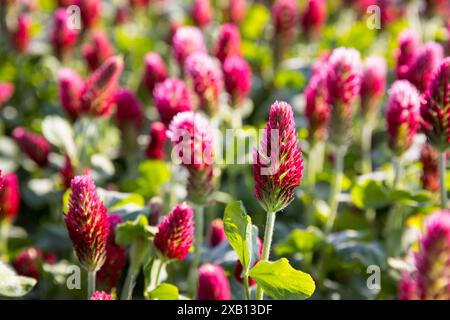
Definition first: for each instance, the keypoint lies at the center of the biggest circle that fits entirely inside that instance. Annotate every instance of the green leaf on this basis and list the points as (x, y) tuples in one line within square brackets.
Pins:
[(58, 132), (152, 175), (12, 285), (370, 194), (241, 234), (282, 282), (165, 291), (128, 231), (299, 241)]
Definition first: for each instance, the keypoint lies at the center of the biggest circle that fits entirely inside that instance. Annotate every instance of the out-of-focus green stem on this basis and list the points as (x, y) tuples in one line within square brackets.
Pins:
[(397, 171), (268, 233), (91, 283), (442, 172), (366, 145), (338, 173), (198, 237), (246, 287), (315, 164)]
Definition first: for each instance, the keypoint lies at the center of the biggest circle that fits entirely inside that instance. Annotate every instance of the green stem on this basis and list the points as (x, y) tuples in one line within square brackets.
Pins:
[(138, 251), (198, 236), (442, 172), (268, 233), (338, 173), (158, 273), (4, 232), (127, 291), (247, 287), (366, 145), (397, 172), (315, 163), (91, 283)]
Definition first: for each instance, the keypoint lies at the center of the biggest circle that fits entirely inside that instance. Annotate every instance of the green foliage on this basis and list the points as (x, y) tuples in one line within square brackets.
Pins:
[(12, 285), (129, 231)]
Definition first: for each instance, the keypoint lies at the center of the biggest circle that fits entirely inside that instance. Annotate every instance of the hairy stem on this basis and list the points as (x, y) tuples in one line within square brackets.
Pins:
[(338, 173), (268, 233), (198, 237), (442, 173), (91, 283)]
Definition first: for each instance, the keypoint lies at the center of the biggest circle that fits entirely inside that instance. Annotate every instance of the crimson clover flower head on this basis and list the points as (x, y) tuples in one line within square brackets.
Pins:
[(6, 92), (176, 233), (430, 280), (186, 41), (206, 78), (1, 181), (9, 197), (62, 37), (35, 146), (284, 17), (21, 36), (28, 262), (216, 233), (409, 44), (435, 108), (373, 84), (228, 42), (317, 109), (425, 64), (278, 162), (158, 137), (97, 50), (236, 11), (402, 116), (101, 295), (193, 142), (313, 18), (238, 266), (87, 223), (155, 70), (116, 256), (213, 284), (237, 78), (70, 87), (129, 110), (91, 11), (99, 93), (171, 97), (430, 170), (67, 172), (344, 75), (202, 13)]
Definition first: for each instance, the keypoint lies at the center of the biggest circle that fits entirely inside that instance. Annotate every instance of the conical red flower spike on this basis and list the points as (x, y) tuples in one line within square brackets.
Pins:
[(408, 46), (155, 149), (155, 71), (313, 18), (317, 109), (91, 11), (238, 78), (285, 17), (87, 223), (373, 86), (70, 87), (62, 37), (130, 113), (430, 170), (176, 233), (20, 37), (33, 145), (186, 41), (402, 116), (216, 233), (100, 89), (435, 108), (67, 172), (213, 284), (171, 97), (101, 295), (278, 162), (28, 263), (97, 50), (228, 42), (202, 13), (9, 197)]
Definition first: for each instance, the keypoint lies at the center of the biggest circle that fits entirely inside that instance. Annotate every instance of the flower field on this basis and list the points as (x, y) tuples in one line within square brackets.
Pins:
[(224, 149)]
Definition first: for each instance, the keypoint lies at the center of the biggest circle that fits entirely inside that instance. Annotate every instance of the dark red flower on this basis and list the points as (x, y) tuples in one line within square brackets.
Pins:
[(67, 172), (9, 197), (213, 283), (33, 145), (97, 50), (28, 263), (130, 112), (313, 18), (373, 85), (216, 233), (238, 78), (408, 46), (70, 87), (62, 37), (155, 71), (228, 42), (91, 11), (317, 109), (155, 149), (20, 37), (285, 17), (430, 170), (202, 12)]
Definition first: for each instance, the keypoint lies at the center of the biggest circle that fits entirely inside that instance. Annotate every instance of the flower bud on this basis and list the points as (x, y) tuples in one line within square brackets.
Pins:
[(313, 18), (171, 97), (317, 110), (155, 71), (285, 16), (28, 263), (228, 42), (62, 37), (236, 10), (373, 85), (20, 37), (67, 172), (430, 170), (33, 145), (9, 197), (130, 112), (155, 149), (408, 46), (91, 11), (97, 50), (202, 13), (216, 233), (185, 42), (70, 87), (237, 78), (213, 283)]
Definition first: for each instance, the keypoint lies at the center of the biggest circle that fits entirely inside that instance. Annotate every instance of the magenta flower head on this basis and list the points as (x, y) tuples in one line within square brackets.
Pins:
[(91, 11), (373, 85), (33, 145), (193, 143), (101, 86), (408, 46), (116, 256), (425, 64), (285, 17), (216, 233), (97, 50), (236, 10), (313, 18), (67, 172), (155, 71), (228, 42), (278, 162), (185, 42), (9, 198), (344, 84), (430, 280), (158, 137), (317, 109), (402, 115), (213, 284), (28, 263), (238, 266), (238, 78), (62, 37), (206, 78), (101, 295), (130, 113), (1, 181), (430, 170), (20, 37), (202, 13), (171, 97), (87, 223), (176, 233), (70, 87), (6, 92), (435, 108)]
